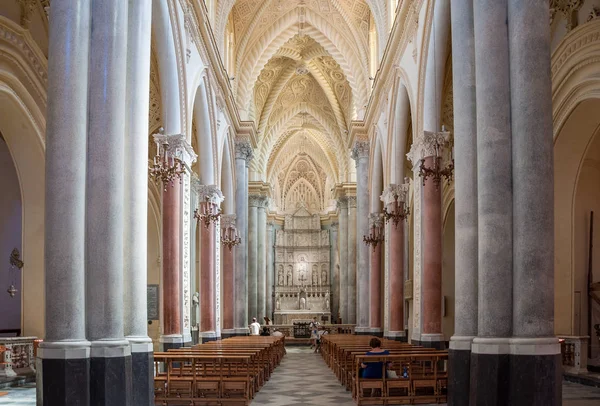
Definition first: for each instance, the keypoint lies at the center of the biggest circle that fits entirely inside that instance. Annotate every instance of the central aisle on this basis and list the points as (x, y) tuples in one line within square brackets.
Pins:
[(302, 379)]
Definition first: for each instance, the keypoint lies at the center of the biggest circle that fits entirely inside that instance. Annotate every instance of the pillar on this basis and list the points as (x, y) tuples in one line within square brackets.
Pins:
[(335, 271), (352, 258), (490, 374), (342, 236), (534, 347), (261, 260), (228, 272), (64, 356), (243, 156), (270, 269), (136, 202), (465, 187), (396, 265), (110, 366), (375, 292), (253, 202)]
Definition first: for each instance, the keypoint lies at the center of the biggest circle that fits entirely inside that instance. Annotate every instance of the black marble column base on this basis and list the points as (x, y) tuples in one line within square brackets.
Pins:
[(208, 339), (459, 376), (535, 380), (438, 345), (402, 339), (363, 333), (169, 346), (64, 381), (490, 379), (111, 381), (142, 365)]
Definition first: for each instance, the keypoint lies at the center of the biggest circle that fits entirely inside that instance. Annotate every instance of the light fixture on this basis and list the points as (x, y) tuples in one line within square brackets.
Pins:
[(208, 212), (437, 171), (229, 233), (15, 265), (396, 196), (167, 164), (377, 235)]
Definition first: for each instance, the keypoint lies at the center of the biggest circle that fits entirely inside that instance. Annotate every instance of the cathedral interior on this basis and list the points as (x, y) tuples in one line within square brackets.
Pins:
[(426, 172)]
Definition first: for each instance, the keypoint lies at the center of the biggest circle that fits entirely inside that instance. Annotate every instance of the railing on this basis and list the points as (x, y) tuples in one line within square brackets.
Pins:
[(17, 355), (574, 353), (288, 329)]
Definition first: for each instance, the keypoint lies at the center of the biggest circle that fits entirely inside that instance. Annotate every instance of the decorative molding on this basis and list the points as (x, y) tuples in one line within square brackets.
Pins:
[(595, 13), (568, 9)]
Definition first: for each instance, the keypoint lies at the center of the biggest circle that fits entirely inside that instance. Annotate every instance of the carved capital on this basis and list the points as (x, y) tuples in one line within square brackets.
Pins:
[(351, 202), (334, 227), (360, 150), (255, 200), (389, 193), (177, 146), (568, 8), (208, 193), (228, 221), (342, 203), (376, 220), (27, 8), (428, 144), (243, 150)]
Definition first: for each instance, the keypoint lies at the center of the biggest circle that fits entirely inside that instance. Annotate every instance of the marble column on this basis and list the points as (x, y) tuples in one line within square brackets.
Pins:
[(261, 260), (535, 361), (375, 293), (110, 366), (64, 355), (270, 269), (396, 262), (228, 271), (352, 257), (335, 272), (135, 243), (360, 153), (243, 156), (465, 186), (210, 198), (342, 206), (490, 349), (253, 202)]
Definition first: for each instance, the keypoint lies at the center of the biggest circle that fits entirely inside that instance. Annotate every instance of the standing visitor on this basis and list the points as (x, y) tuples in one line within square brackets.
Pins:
[(314, 326)]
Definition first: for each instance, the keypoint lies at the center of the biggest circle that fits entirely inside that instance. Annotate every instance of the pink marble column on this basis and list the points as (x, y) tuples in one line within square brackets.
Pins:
[(207, 275), (432, 256), (171, 283), (375, 296), (396, 236), (228, 258)]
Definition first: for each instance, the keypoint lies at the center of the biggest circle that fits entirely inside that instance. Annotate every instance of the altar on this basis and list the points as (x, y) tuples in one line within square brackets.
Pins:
[(302, 270)]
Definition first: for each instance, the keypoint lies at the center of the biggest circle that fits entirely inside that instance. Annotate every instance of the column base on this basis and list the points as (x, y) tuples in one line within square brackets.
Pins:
[(110, 373), (207, 336), (431, 341), (170, 341), (375, 331), (490, 372), (241, 331), (228, 332), (459, 370), (142, 367), (63, 373), (362, 331), (397, 336)]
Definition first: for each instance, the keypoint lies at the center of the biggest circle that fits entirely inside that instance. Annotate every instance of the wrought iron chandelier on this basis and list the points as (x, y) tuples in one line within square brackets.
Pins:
[(15, 265), (376, 235), (208, 212), (167, 164), (438, 171), (396, 195), (230, 237)]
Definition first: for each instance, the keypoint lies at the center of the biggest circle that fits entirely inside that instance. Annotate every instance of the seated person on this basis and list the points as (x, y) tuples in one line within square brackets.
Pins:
[(374, 370), (277, 333), (265, 332)]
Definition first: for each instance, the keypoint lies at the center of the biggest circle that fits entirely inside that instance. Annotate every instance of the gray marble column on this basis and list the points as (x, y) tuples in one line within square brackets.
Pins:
[(490, 348), (253, 202), (135, 238), (261, 260), (64, 355), (243, 156), (342, 242), (270, 268), (335, 272), (352, 258), (534, 347), (465, 142), (360, 153), (110, 367)]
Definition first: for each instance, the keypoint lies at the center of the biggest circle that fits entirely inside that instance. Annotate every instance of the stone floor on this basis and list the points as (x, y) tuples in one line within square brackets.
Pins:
[(303, 379)]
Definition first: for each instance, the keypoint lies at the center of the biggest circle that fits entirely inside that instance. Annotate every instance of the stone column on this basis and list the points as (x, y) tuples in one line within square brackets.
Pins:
[(465, 184), (375, 292), (534, 347), (261, 260), (210, 198), (342, 205), (352, 257), (270, 268), (396, 266), (490, 349), (64, 355), (253, 202), (228, 271), (136, 202), (360, 153), (335, 272), (110, 366), (243, 156)]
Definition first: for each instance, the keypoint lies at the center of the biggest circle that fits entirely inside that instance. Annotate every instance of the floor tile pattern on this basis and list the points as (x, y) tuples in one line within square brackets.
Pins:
[(303, 379)]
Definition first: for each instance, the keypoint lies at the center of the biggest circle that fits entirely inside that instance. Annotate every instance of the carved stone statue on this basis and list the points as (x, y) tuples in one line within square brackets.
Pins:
[(327, 303), (290, 281), (323, 277), (280, 277), (315, 276), (278, 303), (302, 303)]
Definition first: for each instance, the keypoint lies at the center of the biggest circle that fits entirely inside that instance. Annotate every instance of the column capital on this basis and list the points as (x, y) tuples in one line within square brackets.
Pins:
[(342, 202), (207, 193), (351, 202), (256, 200), (428, 144), (334, 227), (177, 146), (389, 193), (243, 149), (270, 226), (228, 221), (376, 219), (360, 150)]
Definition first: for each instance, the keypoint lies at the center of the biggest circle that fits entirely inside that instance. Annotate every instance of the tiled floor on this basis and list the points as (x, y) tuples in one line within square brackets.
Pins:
[(303, 379)]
